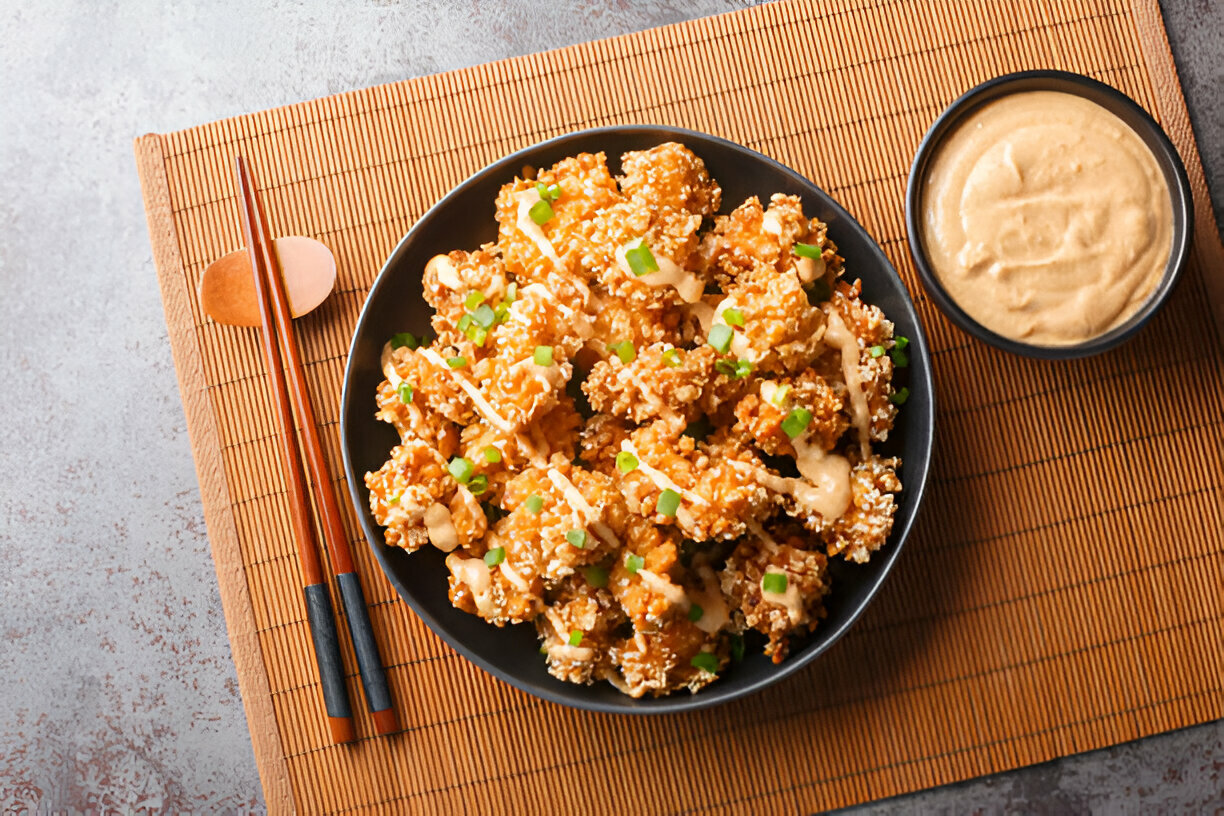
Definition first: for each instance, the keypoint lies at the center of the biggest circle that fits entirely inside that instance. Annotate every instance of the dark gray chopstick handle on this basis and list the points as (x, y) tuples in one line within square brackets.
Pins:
[(373, 676), (327, 654)]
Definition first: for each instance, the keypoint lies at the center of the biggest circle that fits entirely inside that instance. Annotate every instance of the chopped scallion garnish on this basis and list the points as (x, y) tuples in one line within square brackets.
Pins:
[(541, 212), (543, 355), (465, 323), (395, 499), (900, 342), (733, 317), (456, 362), (900, 396), (501, 313), (405, 392), (478, 484), (774, 583), (554, 191), (404, 339), (461, 469), (706, 661), (473, 300), (736, 369), (900, 358), (576, 538), (668, 503), (484, 316), (876, 351), (720, 338), (695, 612), (779, 395), (633, 563), (534, 504), (495, 556), (511, 294), (641, 260), (492, 455), (671, 358), (806, 251), (596, 576), (478, 335), (796, 422), (626, 462), (575, 637), (737, 648), (625, 350)]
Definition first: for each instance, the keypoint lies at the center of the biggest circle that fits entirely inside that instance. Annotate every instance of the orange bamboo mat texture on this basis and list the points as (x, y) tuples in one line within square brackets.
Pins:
[(1062, 591)]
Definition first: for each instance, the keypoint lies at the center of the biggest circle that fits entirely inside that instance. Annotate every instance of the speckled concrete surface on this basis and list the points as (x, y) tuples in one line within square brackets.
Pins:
[(121, 691)]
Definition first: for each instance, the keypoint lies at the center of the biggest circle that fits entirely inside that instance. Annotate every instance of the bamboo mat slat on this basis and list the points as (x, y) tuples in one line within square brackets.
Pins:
[(1062, 590)]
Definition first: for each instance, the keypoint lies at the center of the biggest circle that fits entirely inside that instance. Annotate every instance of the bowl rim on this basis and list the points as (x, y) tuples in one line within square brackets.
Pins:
[(914, 487), (1134, 116)]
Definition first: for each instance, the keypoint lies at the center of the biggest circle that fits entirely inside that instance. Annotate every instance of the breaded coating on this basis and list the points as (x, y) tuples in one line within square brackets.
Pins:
[(803, 581), (643, 426)]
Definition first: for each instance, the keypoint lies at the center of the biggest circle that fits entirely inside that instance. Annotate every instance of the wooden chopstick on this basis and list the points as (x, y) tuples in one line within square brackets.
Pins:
[(277, 322)]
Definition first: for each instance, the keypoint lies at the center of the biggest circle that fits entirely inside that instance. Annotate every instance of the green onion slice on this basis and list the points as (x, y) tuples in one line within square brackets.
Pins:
[(461, 469), (478, 335), (774, 583), (404, 339), (900, 358), (695, 612), (900, 342), (405, 392), (456, 362), (779, 395), (625, 350), (511, 294), (575, 637), (484, 316), (473, 299), (534, 504), (576, 538), (737, 648), (733, 317), (796, 422), (495, 556), (900, 396), (720, 338), (478, 484), (541, 212), (492, 455), (465, 323), (737, 369), (543, 355), (626, 462), (596, 576), (633, 563), (641, 260), (395, 499), (668, 503), (706, 661), (876, 351), (806, 251), (671, 358)]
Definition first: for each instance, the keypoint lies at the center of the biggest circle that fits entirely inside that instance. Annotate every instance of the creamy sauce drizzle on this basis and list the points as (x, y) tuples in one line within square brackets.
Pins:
[(474, 574), (583, 512), (658, 584), (441, 528), (513, 577), (530, 228), (387, 364), (789, 599), (686, 284), (661, 479), (739, 339), (1046, 218), (839, 337), (482, 405), (815, 499), (828, 473), (713, 608)]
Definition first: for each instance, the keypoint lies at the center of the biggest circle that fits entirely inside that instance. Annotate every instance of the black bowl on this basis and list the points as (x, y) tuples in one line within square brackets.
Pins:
[(1116, 103), (464, 220)]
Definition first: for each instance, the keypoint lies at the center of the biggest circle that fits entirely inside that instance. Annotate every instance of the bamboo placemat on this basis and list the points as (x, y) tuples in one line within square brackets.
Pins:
[(1062, 591)]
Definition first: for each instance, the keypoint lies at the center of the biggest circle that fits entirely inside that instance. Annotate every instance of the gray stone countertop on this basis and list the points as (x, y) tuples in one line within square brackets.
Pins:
[(121, 690)]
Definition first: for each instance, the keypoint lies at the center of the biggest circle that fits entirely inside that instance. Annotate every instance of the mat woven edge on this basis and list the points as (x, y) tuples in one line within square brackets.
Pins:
[(1175, 118), (218, 515)]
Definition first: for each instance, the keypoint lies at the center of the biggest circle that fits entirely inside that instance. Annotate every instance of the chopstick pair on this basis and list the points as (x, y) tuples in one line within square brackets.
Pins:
[(279, 342)]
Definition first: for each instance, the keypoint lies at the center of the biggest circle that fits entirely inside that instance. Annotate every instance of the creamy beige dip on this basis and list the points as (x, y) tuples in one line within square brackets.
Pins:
[(1046, 218)]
